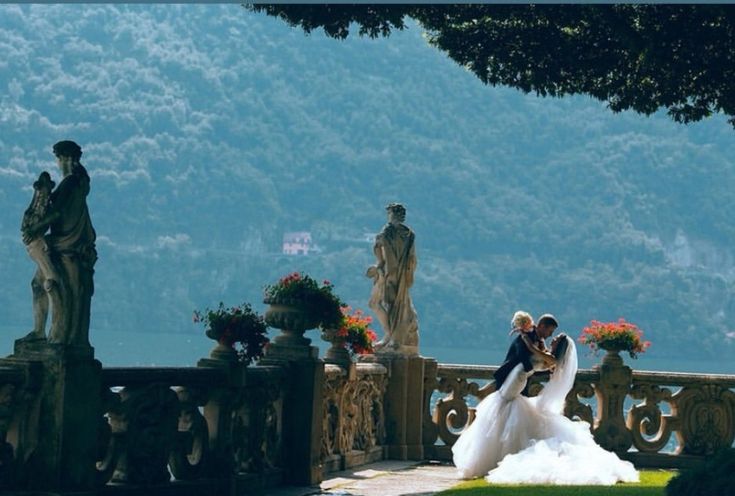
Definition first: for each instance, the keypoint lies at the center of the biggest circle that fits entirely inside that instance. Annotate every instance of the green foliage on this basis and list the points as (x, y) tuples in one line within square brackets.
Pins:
[(211, 144), (239, 324), (639, 57), (652, 484), (303, 290), (715, 477)]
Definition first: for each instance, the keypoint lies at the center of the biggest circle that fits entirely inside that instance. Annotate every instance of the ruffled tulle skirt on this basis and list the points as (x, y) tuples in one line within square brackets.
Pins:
[(500, 427), (513, 442)]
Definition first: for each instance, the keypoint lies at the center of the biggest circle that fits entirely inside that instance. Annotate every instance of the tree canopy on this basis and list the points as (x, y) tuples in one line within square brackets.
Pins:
[(634, 57)]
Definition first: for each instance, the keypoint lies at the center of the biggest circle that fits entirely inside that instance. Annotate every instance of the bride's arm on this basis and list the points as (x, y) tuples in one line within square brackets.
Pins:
[(545, 356)]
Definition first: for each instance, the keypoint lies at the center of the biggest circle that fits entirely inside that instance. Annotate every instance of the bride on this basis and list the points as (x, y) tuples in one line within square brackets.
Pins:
[(515, 439)]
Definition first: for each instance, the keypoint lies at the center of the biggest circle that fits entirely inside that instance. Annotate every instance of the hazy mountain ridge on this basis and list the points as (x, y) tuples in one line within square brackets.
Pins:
[(209, 131)]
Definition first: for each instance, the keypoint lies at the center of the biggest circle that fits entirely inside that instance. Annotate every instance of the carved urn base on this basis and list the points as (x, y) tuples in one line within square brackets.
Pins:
[(337, 354), (224, 352)]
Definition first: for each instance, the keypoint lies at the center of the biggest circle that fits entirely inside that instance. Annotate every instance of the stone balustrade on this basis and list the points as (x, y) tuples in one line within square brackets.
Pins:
[(206, 426), (224, 428), (353, 431), (655, 419)]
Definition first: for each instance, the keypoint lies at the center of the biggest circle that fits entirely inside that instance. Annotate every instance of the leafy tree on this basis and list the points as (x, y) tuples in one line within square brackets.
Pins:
[(639, 57)]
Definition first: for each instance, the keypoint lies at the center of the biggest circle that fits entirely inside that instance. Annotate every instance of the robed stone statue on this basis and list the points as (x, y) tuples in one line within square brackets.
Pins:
[(395, 253), (66, 255)]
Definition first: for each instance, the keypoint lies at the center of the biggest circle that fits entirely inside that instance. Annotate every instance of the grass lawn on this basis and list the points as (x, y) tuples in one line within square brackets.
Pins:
[(652, 484)]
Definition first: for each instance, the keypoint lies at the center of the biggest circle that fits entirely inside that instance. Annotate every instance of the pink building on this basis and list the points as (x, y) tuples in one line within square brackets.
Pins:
[(297, 243)]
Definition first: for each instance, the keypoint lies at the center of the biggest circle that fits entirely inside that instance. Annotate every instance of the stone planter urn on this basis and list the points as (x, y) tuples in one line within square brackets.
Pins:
[(293, 318), (337, 354), (612, 353)]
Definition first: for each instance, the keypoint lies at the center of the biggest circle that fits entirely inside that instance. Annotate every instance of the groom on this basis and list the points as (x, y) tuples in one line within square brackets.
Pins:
[(519, 352)]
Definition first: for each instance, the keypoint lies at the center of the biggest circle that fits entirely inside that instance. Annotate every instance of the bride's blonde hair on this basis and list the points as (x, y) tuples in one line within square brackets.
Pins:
[(521, 321)]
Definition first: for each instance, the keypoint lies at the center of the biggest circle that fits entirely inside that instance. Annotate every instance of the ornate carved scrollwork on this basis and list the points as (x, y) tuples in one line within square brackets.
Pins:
[(370, 421), (452, 414), (707, 418), (647, 419), (353, 413), (574, 408), (331, 418)]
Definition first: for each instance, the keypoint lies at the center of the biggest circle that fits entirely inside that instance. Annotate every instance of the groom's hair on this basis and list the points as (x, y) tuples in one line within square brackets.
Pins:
[(547, 320)]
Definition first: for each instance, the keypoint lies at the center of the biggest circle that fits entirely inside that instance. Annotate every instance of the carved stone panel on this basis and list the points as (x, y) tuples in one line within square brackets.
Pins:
[(707, 418)]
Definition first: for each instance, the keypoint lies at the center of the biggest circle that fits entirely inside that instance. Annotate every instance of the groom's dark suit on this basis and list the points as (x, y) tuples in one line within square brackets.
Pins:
[(518, 353)]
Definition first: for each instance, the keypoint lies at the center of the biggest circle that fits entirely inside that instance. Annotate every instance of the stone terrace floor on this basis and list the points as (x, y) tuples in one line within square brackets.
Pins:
[(387, 478)]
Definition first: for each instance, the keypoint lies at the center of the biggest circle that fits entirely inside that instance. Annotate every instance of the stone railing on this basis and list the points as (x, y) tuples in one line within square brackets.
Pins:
[(202, 425), (224, 428), (353, 431), (655, 419)]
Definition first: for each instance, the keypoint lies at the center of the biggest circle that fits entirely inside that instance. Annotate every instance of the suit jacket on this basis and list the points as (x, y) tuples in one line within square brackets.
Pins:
[(517, 353)]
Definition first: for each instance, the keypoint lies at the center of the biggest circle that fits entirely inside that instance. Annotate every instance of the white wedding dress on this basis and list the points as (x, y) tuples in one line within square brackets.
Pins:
[(520, 440)]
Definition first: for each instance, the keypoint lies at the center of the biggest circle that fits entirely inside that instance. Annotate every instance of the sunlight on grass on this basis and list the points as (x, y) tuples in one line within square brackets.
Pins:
[(652, 484)]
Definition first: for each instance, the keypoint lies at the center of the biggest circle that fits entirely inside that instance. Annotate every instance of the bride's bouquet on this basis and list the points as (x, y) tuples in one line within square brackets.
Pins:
[(614, 336)]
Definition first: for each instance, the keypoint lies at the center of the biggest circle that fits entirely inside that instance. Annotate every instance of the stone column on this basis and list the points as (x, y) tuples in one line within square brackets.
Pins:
[(302, 410), (69, 410), (403, 404)]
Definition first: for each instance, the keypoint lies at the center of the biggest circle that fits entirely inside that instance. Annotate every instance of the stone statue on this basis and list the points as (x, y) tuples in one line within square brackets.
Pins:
[(66, 256), (395, 252)]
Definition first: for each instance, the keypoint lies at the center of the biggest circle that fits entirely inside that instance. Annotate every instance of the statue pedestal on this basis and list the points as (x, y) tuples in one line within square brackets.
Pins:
[(69, 411), (403, 404)]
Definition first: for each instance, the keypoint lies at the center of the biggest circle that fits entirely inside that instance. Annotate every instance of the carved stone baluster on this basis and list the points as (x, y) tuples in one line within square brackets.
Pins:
[(149, 418), (190, 451), (273, 426), (647, 418), (610, 430), (707, 418), (258, 422), (263, 418), (110, 434)]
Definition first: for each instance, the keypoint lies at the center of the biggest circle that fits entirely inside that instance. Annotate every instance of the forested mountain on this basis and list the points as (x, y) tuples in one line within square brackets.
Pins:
[(209, 131)]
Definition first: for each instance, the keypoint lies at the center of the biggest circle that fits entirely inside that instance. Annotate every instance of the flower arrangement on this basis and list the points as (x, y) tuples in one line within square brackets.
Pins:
[(353, 332), (620, 335), (317, 299), (233, 325)]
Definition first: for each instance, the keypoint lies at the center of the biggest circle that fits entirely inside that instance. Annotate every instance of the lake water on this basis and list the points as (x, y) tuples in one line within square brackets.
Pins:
[(116, 349)]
